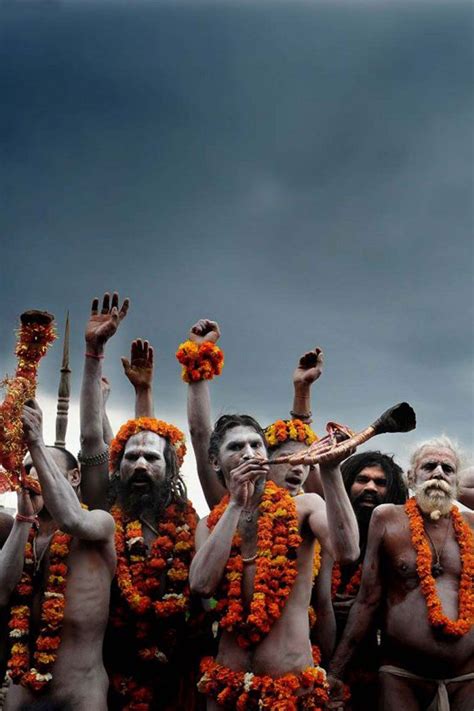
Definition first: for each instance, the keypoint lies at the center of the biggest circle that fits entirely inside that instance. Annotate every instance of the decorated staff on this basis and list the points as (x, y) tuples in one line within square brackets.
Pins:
[(64, 392), (342, 441), (36, 334)]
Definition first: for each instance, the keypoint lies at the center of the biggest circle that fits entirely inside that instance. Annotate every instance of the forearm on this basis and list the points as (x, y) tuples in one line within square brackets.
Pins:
[(302, 402), (59, 497), (12, 560), (107, 432), (358, 624), (210, 560), (91, 406), (200, 428), (342, 523), (144, 401)]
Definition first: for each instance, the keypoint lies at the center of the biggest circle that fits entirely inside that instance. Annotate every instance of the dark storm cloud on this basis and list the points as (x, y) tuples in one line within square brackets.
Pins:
[(301, 172)]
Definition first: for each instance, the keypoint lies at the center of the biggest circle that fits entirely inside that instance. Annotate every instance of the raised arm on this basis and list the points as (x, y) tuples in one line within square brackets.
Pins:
[(213, 548), (199, 418), (94, 452), (139, 371), (466, 490), (308, 370), (366, 603), (341, 520), (59, 497), (12, 553)]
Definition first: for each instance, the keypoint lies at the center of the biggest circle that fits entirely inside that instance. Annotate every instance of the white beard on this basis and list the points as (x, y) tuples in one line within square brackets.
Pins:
[(435, 497)]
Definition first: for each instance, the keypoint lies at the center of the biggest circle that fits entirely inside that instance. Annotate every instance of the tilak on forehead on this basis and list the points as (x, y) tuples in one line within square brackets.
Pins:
[(289, 430), (145, 424)]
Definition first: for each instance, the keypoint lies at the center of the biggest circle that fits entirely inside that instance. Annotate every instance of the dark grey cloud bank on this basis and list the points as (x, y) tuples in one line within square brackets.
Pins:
[(301, 172)]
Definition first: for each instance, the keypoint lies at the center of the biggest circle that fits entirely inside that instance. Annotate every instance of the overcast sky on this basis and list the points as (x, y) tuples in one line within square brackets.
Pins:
[(299, 171)]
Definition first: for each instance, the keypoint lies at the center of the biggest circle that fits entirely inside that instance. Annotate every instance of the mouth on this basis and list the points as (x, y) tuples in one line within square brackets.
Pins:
[(140, 481), (293, 481)]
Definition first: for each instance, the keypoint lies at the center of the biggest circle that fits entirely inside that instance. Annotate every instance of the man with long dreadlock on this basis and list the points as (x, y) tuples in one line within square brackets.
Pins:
[(370, 479), (145, 651)]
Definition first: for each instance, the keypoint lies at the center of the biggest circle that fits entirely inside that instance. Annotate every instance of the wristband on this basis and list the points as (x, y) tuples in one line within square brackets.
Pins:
[(94, 355), (200, 361), (26, 519)]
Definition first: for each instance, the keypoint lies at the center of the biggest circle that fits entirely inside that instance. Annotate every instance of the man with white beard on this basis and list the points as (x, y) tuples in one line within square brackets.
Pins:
[(418, 570)]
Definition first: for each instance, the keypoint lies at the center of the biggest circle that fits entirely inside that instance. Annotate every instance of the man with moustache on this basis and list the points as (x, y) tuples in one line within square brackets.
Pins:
[(254, 554), (147, 650), (418, 571), (370, 478), (59, 607)]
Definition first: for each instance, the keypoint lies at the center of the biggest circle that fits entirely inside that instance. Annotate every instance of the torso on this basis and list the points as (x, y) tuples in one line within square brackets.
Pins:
[(409, 640), (79, 679), (286, 648)]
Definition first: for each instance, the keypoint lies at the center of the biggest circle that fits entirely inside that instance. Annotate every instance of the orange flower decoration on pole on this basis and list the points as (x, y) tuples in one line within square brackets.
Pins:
[(35, 336), (145, 424), (284, 430), (200, 361), (424, 559)]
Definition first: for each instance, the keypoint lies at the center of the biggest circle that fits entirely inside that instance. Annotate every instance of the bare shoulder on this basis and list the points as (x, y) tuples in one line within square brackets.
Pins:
[(468, 517), (309, 503)]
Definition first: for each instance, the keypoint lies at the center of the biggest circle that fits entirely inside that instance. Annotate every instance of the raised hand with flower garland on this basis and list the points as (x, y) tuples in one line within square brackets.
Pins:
[(60, 605), (202, 359), (255, 556), (420, 563)]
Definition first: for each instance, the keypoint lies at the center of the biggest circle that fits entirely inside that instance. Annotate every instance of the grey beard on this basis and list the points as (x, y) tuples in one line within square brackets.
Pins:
[(435, 497)]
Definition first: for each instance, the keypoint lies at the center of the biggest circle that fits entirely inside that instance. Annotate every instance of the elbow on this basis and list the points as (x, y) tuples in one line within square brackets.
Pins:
[(349, 554), (199, 584)]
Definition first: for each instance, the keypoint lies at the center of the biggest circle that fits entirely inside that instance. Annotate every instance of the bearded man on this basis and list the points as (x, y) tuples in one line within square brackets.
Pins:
[(59, 607), (370, 478), (254, 554), (147, 651), (418, 571)]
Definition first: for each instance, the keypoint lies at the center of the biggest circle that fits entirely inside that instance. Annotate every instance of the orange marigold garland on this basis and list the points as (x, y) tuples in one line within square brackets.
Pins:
[(284, 430), (36, 334), (200, 361), (465, 541), (53, 604), (139, 580), (352, 586), (275, 568), (142, 424), (244, 691)]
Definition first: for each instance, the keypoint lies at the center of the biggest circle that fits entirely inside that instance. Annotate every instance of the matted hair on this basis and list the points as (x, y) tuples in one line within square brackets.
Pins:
[(397, 492), (227, 422), (440, 442)]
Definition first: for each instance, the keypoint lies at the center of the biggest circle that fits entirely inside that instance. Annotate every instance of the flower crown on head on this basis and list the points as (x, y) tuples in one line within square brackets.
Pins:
[(145, 424), (284, 430)]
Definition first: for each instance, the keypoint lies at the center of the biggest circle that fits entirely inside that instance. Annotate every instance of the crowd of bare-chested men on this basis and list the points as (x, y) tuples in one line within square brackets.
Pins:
[(342, 584)]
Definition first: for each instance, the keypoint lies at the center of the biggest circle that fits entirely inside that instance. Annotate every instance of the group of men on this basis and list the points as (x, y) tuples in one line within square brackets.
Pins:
[(306, 587)]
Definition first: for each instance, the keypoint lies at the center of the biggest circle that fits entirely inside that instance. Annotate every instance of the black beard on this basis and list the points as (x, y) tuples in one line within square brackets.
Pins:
[(364, 514), (151, 502)]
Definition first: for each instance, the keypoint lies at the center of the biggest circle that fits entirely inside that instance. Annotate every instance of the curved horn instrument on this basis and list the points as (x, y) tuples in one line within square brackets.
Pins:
[(341, 440)]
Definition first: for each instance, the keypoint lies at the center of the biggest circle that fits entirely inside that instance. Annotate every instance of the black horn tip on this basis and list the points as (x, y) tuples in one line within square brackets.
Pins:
[(399, 418)]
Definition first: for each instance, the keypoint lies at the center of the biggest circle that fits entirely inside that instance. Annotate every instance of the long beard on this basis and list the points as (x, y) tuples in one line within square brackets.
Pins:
[(151, 502), (435, 497)]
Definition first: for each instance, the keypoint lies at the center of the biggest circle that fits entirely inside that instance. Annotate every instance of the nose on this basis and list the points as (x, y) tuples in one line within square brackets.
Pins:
[(297, 469), (140, 465), (247, 452), (438, 473), (370, 486)]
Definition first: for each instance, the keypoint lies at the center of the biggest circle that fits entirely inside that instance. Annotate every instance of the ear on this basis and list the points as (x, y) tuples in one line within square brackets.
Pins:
[(74, 477), (214, 463)]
